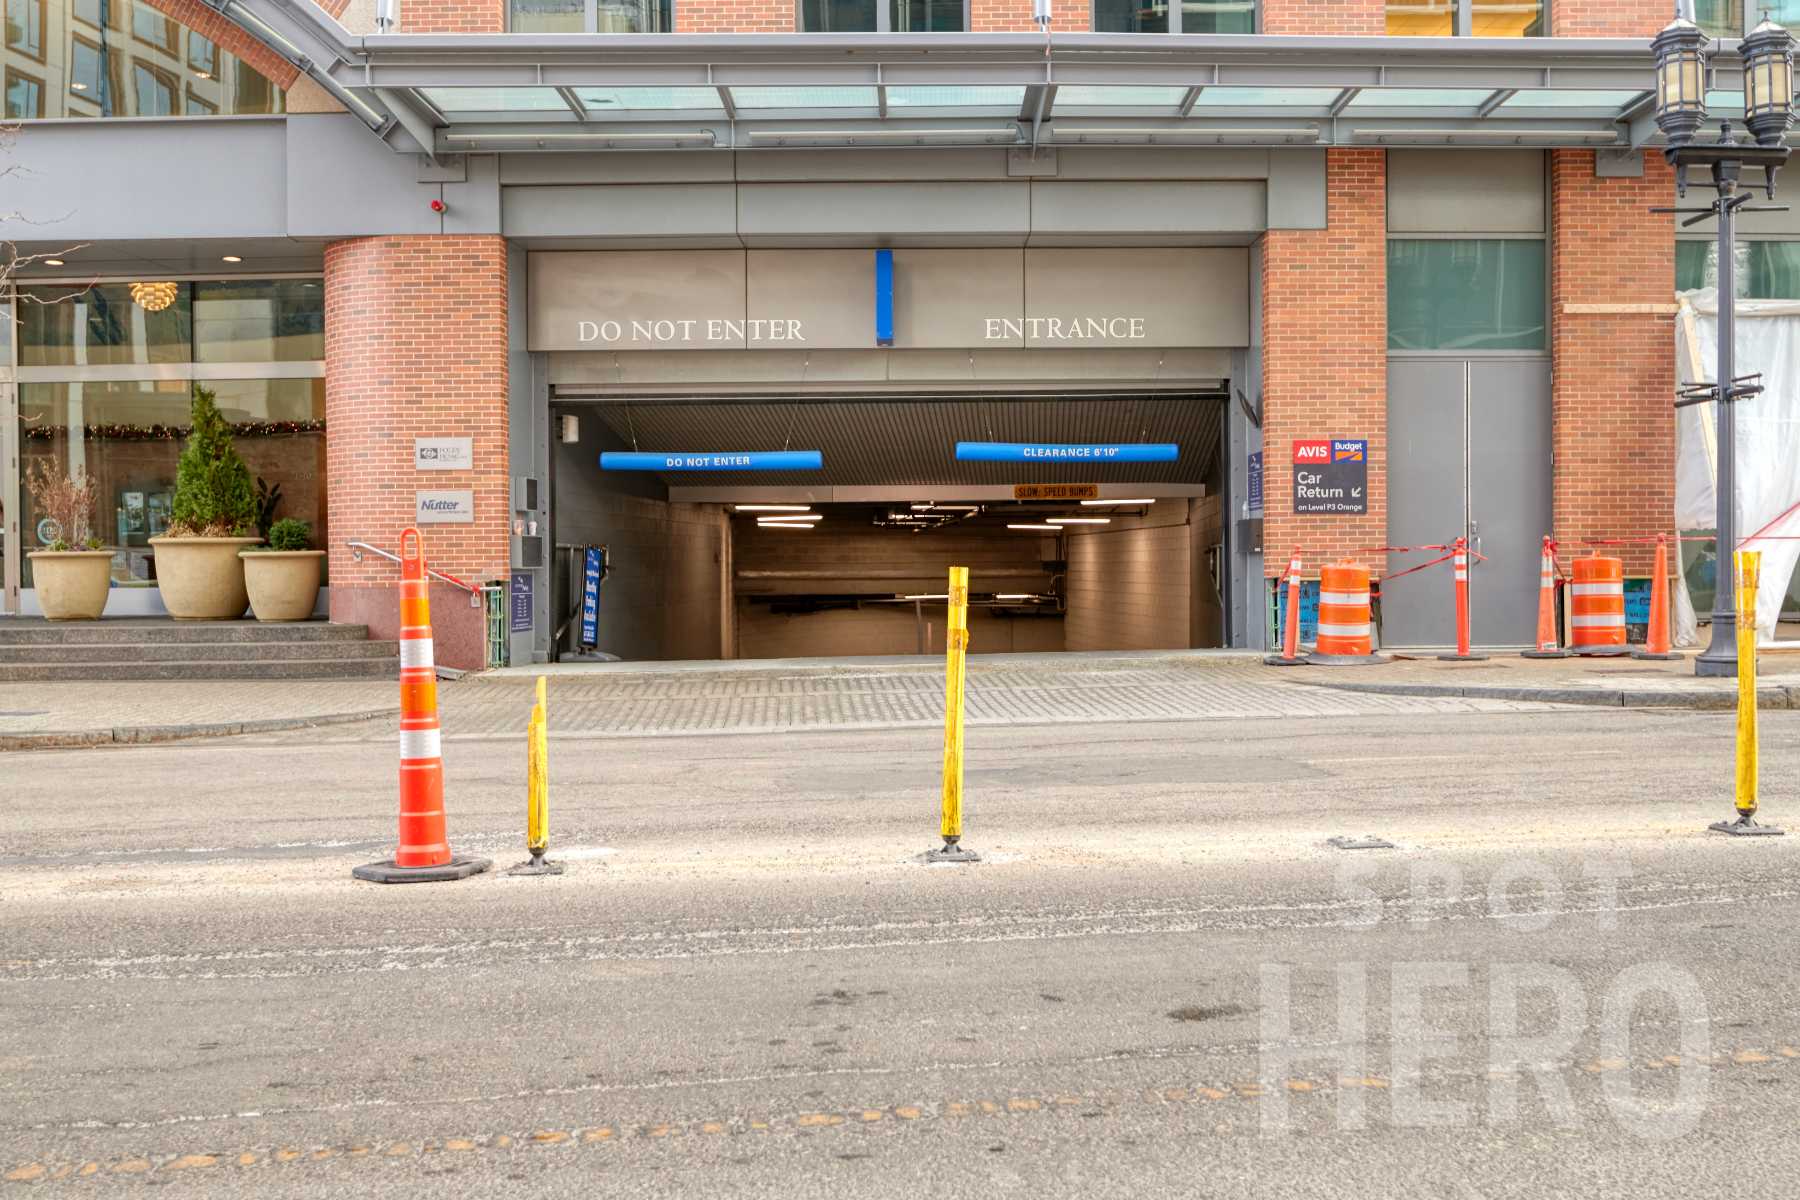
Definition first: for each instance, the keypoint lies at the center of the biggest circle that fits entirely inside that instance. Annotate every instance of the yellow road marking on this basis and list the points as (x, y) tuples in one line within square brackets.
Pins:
[(907, 1112), (26, 1173), (597, 1135), (549, 1137)]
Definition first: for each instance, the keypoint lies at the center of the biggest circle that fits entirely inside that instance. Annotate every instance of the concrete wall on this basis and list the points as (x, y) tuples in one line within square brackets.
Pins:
[(883, 629), (663, 597), (1130, 584), (847, 556)]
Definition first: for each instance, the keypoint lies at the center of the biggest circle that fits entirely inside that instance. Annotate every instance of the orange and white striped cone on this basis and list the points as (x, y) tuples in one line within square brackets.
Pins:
[(1546, 646), (1656, 639), (423, 853), (1290, 655), (1459, 559), (1346, 629)]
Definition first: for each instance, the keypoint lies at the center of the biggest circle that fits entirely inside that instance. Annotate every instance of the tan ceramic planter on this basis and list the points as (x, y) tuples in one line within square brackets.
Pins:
[(283, 584), (71, 584), (201, 579)]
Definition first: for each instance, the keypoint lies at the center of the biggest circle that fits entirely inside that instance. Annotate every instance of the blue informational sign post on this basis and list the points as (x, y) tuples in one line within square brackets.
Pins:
[(1253, 487), (1086, 454), (593, 565), (712, 460)]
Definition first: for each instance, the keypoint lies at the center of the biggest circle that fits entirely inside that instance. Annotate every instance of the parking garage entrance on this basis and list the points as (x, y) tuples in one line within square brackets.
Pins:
[(1088, 521)]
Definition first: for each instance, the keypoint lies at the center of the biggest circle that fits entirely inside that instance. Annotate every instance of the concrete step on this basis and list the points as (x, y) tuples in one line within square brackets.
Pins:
[(88, 652), (261, 668), (28, 631)]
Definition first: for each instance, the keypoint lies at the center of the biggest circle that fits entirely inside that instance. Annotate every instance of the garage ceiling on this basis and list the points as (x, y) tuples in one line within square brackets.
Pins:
[(912, 442)]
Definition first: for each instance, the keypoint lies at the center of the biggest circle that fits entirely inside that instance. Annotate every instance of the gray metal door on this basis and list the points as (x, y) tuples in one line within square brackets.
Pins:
[(1468, 454)]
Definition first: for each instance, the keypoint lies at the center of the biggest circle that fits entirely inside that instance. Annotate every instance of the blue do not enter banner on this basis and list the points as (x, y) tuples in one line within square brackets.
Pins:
[(712, 460)]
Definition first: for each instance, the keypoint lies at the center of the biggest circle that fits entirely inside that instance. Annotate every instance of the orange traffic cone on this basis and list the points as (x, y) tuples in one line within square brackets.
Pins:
[(423, 854), (1290, 628), (1656, 640), (1546, 630)]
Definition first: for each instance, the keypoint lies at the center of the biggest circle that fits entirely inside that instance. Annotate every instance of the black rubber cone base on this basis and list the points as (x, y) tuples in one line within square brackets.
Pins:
[(1745, 827), (1645, 654), (537, 866), (949, 852), (1544, 654), (1602, 651), (1281, 660), (1462, 658), (1346, 660), (387, 872)]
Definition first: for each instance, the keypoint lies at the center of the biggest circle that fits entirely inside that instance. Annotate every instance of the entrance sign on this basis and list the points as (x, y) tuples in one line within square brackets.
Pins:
[(445, 508), (1253, 487), (1040, 452), (1056, 491), (593, 566), (712, 460), (1331, 475)]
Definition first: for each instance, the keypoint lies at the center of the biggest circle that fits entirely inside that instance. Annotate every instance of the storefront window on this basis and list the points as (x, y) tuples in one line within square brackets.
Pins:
[(1479, 18), (592, 16), (1764, 270), (266, 336), (838, 16), (122, 58), (1485, 294), (925, 16), (1192, 16)]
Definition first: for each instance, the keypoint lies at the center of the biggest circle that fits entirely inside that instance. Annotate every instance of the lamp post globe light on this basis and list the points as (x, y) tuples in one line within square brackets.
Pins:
[(1682, 68)]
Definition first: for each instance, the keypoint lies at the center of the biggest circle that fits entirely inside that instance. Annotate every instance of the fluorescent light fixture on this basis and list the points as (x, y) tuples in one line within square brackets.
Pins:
[(1014, 596), (53, 262), (782, 525), (1106, 503), (926, 596), (946, 508), (1051, 528), (1079, 520), (78, 87), (202, 74), (791, 519), (230, 258), (788, 508)]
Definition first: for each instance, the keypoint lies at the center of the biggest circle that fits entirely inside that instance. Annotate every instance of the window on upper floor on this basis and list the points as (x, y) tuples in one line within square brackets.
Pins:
[(1763, 269), (121, 58), (1469, 18), (1185, 16), (883, 16), (1735, 18), (593, 16)]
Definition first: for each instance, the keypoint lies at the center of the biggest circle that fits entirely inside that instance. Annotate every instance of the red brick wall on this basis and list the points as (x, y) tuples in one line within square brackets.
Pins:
[(736, 16), (453, 16), (1609, 18), (415, 346), (1014, 16), (1613, 374), (1324, 312), (1363, 17)]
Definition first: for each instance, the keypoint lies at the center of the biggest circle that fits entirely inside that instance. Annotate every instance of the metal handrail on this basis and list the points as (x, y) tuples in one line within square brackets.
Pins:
[(475, 593)]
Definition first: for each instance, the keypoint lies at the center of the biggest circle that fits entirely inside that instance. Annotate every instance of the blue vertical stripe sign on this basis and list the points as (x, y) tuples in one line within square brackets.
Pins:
[(884, 297)]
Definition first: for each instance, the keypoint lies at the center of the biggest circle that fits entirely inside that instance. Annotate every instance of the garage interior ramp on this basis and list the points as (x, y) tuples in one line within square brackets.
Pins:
[(911, 441)]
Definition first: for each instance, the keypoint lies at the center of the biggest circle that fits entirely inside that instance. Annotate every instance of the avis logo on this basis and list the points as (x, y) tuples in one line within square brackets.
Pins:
[(1348, 451), (1312, 451)]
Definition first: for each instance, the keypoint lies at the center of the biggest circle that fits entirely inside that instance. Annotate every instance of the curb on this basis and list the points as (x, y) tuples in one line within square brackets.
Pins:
[(1774, 697), (130, 735)]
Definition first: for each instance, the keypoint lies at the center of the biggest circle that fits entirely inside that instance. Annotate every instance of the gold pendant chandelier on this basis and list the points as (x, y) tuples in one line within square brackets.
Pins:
[(153, 297)]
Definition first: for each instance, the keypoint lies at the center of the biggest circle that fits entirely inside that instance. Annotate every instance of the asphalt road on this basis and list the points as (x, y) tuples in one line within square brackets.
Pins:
[(1160, 982)]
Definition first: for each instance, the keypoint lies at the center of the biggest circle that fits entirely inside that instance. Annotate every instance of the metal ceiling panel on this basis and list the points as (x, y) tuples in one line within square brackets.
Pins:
[(912, 442)]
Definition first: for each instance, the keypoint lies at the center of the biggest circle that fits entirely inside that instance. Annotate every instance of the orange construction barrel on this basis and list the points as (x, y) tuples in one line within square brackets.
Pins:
[(1597, 624), (1346, 633)]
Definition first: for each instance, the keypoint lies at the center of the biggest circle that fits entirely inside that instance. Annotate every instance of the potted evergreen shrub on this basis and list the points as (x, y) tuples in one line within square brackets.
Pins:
[(283, 577), (212, 517), (72, 574)]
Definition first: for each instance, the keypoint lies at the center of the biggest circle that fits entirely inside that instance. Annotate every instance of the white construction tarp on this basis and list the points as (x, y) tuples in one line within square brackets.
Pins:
[(1768, 443)]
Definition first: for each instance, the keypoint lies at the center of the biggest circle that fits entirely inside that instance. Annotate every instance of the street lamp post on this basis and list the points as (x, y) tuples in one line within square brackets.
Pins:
[(1681, 79)]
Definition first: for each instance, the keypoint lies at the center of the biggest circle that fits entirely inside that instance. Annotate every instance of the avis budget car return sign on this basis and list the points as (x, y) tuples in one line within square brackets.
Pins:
[(1331, 475)]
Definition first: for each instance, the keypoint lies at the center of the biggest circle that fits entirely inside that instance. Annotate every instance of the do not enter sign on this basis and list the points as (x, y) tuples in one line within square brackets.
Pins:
[(1331, 475)]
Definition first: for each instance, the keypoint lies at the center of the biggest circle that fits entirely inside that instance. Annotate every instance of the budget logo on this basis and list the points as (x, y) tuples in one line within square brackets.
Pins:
[(1312, 451), (1348, 451)]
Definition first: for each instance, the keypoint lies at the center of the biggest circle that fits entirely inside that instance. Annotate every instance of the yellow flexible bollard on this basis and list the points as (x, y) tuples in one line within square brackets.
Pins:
[(956, 651), (537, 789), (1749, 568)]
